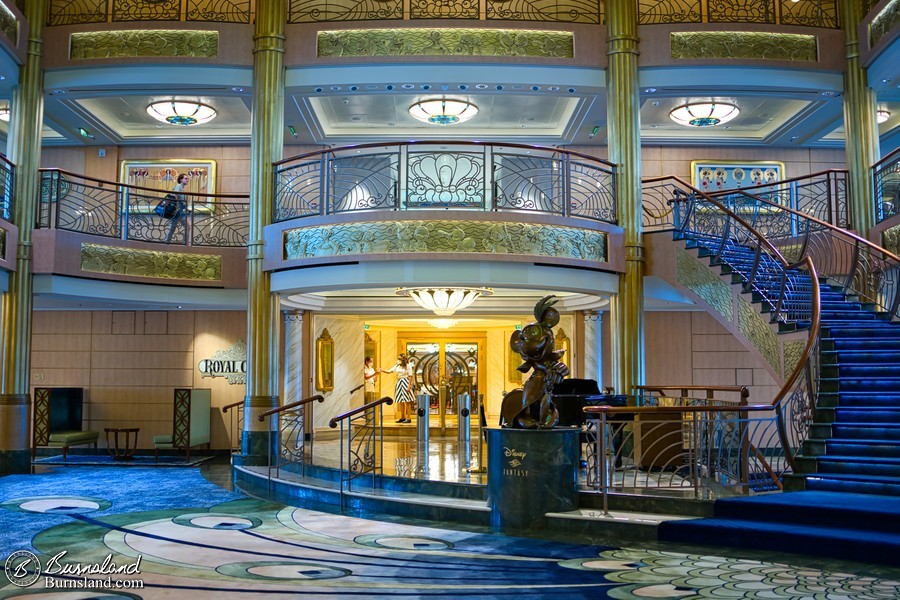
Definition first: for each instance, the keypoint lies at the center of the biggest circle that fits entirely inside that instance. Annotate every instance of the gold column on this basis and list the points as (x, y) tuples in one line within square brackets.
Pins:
[(24, 150), (266, 146), (860, 128), (623, 117)]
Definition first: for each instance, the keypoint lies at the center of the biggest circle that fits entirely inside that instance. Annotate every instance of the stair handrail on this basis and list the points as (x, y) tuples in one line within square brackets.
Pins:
[(235, 426), (795, 401), (710, 390), (855, 270), (280, 409), (228, 407), (360, 409), (792, 396), (365, 446)]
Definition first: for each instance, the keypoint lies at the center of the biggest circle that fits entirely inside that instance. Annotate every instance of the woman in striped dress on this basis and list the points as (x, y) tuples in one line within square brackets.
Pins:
[(404, 391)]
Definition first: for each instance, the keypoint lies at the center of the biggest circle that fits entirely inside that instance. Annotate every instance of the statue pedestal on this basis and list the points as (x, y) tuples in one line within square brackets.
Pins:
[(531, 472)]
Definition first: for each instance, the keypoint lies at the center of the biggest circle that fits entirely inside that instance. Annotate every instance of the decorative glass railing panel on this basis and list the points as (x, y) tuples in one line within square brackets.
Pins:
[(445, 179), (886, 175), (362, 182), (7, 174), (80, 205), (452, 175), (782, 12)]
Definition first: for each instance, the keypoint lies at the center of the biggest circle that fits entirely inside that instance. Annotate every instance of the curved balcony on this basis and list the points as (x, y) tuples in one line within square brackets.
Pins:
[(462, 176)]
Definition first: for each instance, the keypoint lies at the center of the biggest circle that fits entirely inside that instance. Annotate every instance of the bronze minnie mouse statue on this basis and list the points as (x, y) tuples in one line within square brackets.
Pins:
[(530, 407)]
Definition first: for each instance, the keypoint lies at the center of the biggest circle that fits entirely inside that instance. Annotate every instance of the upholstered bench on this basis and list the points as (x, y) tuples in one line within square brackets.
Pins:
[(67, 439)]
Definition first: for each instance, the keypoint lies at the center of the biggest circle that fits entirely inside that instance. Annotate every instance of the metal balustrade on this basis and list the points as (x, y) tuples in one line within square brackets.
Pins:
[(288, 423), (82, 204), (361, 442), (886, 178), (445, 175)]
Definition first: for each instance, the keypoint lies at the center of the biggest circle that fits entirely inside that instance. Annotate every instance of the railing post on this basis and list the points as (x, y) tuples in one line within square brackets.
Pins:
[(324, 183), (341, 465), (695, 466), (601, 459)]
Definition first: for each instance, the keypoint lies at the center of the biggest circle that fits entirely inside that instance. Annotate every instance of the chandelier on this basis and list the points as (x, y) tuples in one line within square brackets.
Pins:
[(181, 112), (704, 114), (444, 301), (881, 116), (442, 111)]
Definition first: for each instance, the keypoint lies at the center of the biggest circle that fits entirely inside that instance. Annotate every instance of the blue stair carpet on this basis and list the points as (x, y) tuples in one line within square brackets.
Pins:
[(843, 525)]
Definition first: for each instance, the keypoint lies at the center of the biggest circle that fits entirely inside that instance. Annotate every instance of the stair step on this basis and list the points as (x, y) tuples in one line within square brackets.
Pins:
[(852, 384), (870, 370), (845, 482), (859, 465), (863, 344), (868, 356), (867, 431), (862, 448)]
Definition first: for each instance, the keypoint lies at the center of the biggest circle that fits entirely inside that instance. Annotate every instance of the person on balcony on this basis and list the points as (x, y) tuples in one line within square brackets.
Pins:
[(404, 390), (180, 216)]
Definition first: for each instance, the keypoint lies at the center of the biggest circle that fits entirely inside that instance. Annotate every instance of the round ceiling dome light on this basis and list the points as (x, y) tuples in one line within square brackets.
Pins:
[(4, 114), (442, 111), (882, 116), (181, 112), (704, 114)]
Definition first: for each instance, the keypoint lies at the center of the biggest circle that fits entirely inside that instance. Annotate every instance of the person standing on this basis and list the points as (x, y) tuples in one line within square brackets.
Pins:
[(404, 390), (181, 213), (369, 375)]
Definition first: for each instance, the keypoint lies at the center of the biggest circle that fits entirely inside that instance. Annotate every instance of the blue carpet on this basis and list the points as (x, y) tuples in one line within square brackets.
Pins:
[(100, 460), (127, 490)]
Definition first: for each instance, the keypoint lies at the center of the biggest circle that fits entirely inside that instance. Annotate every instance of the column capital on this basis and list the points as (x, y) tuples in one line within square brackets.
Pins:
[(294, 315)]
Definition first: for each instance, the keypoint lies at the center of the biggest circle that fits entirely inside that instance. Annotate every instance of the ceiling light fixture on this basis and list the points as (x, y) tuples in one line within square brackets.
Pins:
[(181, 112), (441, 111), (444, 301), (881, 116), (442, 323), (704, 114), (4, 114)]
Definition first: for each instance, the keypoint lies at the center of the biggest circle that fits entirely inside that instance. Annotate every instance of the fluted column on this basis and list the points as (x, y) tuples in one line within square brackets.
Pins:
[(860, 127), (593, 353), (24, 150), (623, 118), (293, 356), (265, 148)]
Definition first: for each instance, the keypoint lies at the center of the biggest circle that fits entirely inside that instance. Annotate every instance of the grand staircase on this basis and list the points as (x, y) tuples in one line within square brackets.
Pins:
[(849, 466)]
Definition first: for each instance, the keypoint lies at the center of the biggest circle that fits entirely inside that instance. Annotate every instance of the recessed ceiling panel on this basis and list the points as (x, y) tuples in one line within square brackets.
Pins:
[(388, 115), (127, 116)]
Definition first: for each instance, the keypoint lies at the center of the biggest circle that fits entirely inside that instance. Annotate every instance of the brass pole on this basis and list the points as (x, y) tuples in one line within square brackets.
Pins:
[(266, 147), (24, 150), (623, 117), (860, 127)]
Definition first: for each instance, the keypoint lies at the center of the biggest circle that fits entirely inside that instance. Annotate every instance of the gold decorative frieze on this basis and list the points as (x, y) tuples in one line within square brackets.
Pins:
[(702, 281), (793, 350), (9, 25), (445, 236), (150, 263), (746, 45), (890, 239), (758, 330), (445, 42), (884, 22), (143, 43)]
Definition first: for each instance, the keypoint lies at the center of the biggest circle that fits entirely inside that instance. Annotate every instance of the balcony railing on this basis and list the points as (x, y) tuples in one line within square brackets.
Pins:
[(445, 175), (74, 202), (7, 176), (886, 176)]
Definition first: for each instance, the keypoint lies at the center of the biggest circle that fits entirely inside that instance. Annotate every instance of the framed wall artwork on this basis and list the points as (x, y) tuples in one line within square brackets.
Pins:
[(162, 174), (716, 175)]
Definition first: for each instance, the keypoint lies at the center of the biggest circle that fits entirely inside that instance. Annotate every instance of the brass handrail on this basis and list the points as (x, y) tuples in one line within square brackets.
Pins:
[(617, 410), (350, 413), (274, 411), (357, 387), (790, 180), (323, 151), (232, 405), (886, 159), (684, 389), (104, 182)]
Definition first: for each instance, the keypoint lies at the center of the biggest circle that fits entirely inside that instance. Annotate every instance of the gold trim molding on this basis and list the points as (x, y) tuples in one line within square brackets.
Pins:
[(745, 45), (445, 236), (144, 43), (115, 260)]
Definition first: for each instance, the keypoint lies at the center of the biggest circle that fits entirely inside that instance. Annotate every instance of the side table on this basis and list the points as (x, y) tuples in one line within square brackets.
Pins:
[(129, 442)]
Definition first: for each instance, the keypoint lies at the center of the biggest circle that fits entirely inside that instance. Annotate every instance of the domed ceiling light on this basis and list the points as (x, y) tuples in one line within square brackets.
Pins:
[(4, 114), (881, 116), (442, 111), (704, 114), (181, 112), (444, 301)]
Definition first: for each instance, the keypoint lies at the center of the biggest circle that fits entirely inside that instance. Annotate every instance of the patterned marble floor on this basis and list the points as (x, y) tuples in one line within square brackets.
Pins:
[(195, 540)]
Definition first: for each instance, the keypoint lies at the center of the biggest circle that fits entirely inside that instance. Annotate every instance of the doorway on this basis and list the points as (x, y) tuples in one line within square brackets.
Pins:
[(447, 368)]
